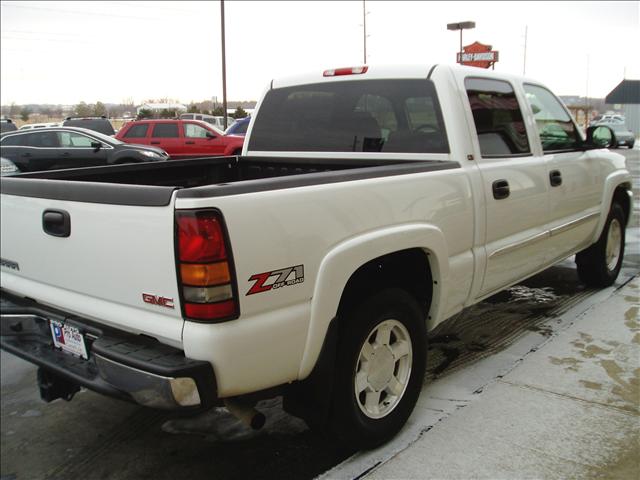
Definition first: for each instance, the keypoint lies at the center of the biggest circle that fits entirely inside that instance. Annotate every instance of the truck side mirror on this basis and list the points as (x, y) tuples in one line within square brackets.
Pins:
[(599, 136)]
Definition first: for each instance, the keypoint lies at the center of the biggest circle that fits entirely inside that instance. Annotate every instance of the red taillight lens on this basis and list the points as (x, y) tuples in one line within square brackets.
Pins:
[(201, 238), (204, 268), (208, 311)]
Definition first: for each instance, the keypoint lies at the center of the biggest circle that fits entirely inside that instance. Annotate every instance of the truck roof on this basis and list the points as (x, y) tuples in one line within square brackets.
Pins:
[(378, 72)]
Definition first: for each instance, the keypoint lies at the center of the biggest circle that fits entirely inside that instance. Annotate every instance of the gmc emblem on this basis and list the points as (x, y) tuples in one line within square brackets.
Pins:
[(156, 300)]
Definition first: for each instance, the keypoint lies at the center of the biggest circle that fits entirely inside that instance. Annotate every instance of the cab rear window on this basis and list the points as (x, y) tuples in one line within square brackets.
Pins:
[(400, 116)]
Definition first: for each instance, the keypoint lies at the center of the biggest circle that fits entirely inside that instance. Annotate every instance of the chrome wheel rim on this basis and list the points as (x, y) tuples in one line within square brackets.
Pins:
[(383, 369), (614, 244)]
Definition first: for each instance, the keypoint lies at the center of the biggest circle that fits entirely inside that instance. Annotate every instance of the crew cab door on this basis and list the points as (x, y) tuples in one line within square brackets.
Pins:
[(515, 184), (575, 179)]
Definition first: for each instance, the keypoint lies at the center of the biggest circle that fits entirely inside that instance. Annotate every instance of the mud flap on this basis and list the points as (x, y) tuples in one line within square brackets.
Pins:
[(310, 399)]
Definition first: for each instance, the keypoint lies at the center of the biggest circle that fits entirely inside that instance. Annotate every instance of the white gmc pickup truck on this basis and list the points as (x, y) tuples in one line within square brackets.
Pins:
[(369, 205)]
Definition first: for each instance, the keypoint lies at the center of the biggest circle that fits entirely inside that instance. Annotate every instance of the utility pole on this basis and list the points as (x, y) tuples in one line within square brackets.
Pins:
[(364, 22), (224, 69), (524, 63), (586, 100)]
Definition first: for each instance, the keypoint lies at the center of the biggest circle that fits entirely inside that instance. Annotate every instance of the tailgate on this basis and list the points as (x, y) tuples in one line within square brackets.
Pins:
[(116, 266)]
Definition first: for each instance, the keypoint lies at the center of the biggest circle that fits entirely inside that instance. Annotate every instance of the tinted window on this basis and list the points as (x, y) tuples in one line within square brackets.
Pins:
[(101, 125), (137, 131), (13, 141), (165, 130), (192, 130), (42, 140), (497, 117), (74, 140), (365, 116), (557, 130)]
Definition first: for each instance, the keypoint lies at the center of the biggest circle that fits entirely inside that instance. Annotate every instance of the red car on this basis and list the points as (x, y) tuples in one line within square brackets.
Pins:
[(181, 138)]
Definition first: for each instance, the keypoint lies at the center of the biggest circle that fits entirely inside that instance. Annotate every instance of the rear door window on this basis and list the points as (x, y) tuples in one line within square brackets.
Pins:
[(42, 140), (165, 130), (401, 116), (137, 131), (497, 117)]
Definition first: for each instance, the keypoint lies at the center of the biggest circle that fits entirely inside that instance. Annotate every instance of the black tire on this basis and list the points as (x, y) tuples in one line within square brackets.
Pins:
[(348, 422), (632, 144), (594, 269)]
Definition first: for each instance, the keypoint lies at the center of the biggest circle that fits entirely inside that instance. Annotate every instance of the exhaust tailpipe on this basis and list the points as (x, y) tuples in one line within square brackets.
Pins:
[(248, 415)]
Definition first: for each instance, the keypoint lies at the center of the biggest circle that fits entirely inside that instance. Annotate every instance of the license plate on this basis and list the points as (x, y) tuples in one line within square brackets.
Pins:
[(69, 339)]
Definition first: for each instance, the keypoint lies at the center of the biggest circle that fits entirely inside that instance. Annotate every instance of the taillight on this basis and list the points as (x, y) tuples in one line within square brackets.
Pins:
[(336, 72), (204, 267)]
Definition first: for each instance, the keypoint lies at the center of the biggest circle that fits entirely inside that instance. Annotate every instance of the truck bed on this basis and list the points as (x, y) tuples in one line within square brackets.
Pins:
[(153, 184)]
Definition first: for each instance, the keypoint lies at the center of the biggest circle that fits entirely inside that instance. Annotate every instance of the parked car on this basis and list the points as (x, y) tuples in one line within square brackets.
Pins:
[(97, 124), (7, 167), (608, 118), (371, 204), (216, 121), (181, 138), (239, 127), (68, 147), (622, 136), (31, 126), (7, 125)]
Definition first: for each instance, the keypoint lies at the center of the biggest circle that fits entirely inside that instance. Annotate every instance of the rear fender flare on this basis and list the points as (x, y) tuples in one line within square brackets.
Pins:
[(345, 258)]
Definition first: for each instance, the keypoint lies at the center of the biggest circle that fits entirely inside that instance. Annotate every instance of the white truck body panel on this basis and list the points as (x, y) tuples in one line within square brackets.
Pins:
[(136, 257), (476, 244)]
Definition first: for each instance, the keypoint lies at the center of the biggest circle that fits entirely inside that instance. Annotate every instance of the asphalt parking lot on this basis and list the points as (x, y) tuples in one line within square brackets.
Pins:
[(94, 437)]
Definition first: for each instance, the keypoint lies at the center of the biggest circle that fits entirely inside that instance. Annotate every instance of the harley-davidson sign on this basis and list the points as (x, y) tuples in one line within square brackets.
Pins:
[(477, 55)]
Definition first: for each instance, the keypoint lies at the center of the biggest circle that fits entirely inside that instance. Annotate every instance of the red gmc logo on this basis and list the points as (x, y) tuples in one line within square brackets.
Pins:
[(156, 300)]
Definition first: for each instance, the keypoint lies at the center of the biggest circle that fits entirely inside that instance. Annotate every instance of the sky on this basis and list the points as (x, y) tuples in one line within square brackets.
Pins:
[(111, 51)]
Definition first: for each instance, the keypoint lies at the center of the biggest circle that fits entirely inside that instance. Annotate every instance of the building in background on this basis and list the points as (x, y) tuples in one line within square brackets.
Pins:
[(627, 95), (156, 108)]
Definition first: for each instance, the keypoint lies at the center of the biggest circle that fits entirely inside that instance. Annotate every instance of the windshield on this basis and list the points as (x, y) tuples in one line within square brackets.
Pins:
[(352, 116)]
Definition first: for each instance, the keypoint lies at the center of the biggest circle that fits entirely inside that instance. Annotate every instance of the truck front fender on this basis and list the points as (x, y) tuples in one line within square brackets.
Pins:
[(345, 258)]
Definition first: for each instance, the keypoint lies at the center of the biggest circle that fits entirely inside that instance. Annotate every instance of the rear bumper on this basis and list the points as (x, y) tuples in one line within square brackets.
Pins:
[(122, 365)]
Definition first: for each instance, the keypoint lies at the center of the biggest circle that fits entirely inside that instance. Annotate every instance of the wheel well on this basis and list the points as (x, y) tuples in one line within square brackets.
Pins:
[(406, 269), (621, 197)]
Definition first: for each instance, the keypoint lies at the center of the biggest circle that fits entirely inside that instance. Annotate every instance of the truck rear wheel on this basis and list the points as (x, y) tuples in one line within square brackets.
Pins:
[(379, 370), (599, 265)]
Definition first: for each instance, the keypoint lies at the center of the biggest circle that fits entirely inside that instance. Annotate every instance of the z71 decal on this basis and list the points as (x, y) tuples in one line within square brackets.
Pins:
[(284, 277)]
